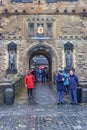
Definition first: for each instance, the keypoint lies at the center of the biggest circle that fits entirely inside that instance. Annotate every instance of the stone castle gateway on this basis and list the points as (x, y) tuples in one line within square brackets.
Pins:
[(55, 29)]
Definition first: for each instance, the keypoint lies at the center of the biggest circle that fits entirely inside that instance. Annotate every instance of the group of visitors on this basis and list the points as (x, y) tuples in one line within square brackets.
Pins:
[(66, 84), (40, 74), (44, 74)]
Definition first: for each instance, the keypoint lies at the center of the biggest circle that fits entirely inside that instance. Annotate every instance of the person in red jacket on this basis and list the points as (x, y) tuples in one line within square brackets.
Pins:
[(29, 83)]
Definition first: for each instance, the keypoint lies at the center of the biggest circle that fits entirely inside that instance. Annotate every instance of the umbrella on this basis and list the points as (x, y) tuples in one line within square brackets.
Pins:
[(41, 67)]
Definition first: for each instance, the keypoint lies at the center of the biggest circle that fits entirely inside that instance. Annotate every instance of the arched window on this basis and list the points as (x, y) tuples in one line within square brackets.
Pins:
[(49, 29), (31, 29), (68, 49), (12, 49)]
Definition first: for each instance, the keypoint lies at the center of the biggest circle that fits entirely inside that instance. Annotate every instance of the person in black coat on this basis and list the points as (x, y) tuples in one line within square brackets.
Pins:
[(60, 87), (73, 83)]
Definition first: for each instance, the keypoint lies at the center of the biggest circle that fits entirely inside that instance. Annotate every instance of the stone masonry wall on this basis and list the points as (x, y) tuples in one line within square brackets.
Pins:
[(66, 27)]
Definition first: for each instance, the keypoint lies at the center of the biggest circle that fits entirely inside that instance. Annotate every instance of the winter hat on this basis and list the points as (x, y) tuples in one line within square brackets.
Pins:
[(28, 71), (60, 71)]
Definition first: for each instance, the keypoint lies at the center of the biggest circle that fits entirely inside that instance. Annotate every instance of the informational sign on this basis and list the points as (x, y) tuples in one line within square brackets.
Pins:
[(22, 1)]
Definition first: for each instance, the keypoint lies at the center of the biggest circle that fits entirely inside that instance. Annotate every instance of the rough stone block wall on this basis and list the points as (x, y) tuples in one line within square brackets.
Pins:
[(66, 27)]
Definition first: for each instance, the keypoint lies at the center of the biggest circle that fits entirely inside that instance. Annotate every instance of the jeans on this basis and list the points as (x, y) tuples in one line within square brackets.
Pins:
[(60, 96), (29, 92), (43, 78), (73, 96), (66, 89)]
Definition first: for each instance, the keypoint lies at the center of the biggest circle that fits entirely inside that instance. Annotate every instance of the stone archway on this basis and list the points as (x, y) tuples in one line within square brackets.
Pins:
[(46, 51)]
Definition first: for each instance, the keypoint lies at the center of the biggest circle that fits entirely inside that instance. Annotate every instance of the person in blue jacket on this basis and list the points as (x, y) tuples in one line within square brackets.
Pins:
[(43, 73), (73, 83), (66, 82), (60, 87)]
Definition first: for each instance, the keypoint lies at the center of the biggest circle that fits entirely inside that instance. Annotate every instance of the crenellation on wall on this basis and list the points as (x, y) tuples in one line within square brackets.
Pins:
[(42, 7)]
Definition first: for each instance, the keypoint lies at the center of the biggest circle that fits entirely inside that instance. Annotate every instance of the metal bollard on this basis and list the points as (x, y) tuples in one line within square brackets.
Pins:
[(9, 96)]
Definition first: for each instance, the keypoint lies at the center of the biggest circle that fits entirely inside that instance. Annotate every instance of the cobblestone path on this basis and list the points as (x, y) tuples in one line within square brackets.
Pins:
[(42, 113)]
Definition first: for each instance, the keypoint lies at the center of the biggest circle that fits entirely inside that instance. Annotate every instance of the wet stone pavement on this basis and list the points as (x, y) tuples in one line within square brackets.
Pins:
[(42, 113)]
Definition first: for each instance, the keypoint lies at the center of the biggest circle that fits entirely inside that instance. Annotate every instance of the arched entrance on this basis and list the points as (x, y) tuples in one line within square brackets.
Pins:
[(39, 61), (48, 52), (43, 53)]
